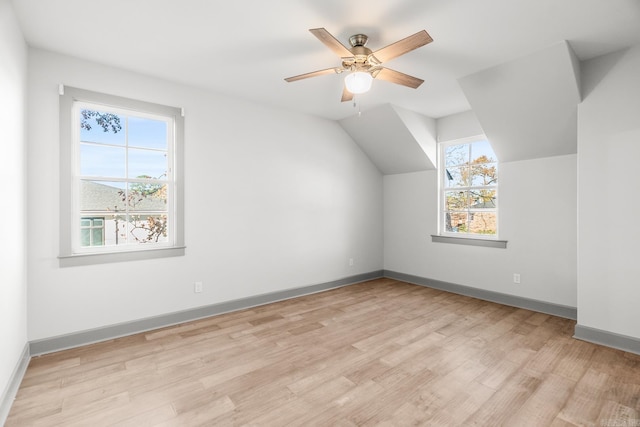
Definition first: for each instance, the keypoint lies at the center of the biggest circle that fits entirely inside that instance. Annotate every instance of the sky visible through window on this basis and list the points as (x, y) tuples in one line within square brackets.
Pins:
[(478, 149), (140, 146)]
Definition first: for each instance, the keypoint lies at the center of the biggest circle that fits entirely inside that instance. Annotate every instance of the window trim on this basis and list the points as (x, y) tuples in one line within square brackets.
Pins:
[(470, 241), (484, 240), (67, 257)]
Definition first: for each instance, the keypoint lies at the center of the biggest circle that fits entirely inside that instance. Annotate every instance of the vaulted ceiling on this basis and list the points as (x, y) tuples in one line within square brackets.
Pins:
[(247, 48)]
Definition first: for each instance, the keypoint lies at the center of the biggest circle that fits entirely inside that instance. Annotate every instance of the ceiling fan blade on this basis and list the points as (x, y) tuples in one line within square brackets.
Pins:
[(314, 74), (403, 46), (346, 95), (331, 42), (397, 77)]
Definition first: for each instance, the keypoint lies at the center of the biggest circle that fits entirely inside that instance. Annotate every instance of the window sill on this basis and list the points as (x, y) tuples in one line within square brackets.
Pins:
[(502, 244), (105, 258)]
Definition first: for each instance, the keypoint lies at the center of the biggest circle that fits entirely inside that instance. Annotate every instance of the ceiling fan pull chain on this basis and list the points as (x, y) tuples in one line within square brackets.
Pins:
[(357, 105)]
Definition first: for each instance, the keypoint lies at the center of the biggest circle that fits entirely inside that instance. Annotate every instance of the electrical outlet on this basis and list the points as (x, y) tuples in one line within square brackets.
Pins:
[(350, 262), (197, 287), (516, 278)]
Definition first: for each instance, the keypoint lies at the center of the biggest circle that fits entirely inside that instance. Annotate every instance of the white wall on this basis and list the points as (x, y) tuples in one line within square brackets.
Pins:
[(527, 106), (608, 194), (13, 278), (274, 200), (537, 202), (458, 126)]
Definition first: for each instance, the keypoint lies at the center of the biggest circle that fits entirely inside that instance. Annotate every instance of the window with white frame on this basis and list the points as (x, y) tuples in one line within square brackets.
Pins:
[(120, 174), (468, 190), (91, 231)]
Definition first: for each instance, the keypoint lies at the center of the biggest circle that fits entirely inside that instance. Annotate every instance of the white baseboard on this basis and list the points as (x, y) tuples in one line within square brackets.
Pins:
[(10, 391)]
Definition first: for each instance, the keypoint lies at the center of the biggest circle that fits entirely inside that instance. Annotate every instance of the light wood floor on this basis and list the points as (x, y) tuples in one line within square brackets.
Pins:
[(376, 353)]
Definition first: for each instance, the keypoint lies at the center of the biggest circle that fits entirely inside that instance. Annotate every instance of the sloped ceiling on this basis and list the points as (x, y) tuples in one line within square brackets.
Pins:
[(396, 140), (528, 107)]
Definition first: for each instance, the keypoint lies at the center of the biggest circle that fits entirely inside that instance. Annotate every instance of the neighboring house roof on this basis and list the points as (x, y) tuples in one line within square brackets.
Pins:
[(484, 205), (96, 196)]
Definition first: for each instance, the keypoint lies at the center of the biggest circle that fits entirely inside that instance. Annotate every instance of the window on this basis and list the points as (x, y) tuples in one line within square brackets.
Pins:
[(91, 231), (120, 173), (468, 190)]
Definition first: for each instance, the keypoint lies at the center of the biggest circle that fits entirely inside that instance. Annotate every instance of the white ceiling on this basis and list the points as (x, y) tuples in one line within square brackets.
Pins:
[(246, 48)]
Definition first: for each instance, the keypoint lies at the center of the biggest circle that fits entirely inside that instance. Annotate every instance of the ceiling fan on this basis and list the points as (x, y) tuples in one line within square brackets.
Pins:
[(363, 65)]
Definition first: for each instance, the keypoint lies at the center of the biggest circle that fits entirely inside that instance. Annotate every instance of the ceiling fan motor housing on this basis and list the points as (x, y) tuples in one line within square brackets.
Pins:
[(358, 40), (361, 54)]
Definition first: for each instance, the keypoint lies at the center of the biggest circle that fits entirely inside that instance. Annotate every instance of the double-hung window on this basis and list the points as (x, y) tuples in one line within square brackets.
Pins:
[(468, 190), (121, 175)]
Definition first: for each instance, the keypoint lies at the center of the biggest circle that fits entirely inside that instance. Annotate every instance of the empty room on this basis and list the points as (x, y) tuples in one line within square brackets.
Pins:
[(320, 213)]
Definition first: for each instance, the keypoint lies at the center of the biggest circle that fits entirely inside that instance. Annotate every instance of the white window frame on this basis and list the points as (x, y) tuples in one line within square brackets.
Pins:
[(71, 254), (444, 236)]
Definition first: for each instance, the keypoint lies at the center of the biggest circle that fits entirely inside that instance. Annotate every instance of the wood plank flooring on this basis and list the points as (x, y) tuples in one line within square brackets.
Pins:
[(379, 353)]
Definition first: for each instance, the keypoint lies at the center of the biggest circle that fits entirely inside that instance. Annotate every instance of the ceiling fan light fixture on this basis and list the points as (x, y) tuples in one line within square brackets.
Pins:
[(358, 82)]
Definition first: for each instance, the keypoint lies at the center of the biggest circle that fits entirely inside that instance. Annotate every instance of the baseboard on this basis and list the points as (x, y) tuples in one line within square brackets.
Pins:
[(77, 339), (483, 294), (608, 339), (9, 393)]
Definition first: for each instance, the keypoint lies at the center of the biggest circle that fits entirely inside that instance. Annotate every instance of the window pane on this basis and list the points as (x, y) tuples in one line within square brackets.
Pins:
[(102, 160), (456, 200), (147, 197), (147, 164), (482, 152), (102, 196), (484, 174), (456, 155), (85, 237), (483, 223), (456, 177), (96, 236), (483, 199), (102, 127), (148, 228), (456, 222), (147, 133)]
